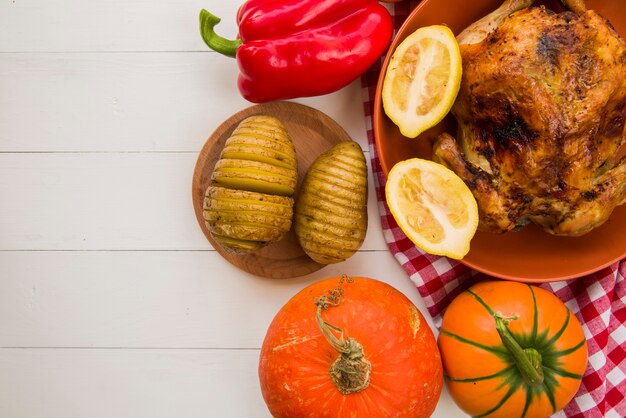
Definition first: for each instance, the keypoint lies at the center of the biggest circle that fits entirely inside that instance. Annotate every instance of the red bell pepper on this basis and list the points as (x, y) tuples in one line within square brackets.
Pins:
[(301, 48)]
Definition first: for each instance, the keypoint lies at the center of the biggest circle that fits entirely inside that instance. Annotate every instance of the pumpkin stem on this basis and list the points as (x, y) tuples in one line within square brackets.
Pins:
[(351, 370), (527, 360)]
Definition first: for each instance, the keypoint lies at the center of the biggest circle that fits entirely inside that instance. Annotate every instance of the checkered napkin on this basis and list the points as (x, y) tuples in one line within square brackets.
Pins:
[(598, 300)]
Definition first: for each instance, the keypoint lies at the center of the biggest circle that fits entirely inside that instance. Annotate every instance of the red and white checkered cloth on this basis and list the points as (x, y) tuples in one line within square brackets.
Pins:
[(598, 300)]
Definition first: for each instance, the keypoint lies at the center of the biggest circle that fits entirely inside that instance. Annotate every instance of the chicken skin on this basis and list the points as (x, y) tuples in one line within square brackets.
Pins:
[(541, 116)]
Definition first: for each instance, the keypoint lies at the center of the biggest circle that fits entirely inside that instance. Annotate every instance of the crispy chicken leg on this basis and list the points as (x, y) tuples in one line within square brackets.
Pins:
[(576, 6), (478, 31)]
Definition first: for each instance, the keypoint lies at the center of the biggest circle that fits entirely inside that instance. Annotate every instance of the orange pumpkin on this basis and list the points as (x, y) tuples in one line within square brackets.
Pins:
[(350, 347), (510, 349)]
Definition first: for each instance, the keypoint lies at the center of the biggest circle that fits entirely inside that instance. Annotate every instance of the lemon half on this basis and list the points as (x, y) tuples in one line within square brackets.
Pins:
[(422, 79), (433, 207)]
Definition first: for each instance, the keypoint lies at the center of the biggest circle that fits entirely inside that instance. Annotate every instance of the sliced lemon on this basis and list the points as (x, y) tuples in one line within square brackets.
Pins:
[(422, 79), (433, 207)]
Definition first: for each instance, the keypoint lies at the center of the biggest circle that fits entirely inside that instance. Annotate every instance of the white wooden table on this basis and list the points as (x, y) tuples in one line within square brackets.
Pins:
[(112, 302)]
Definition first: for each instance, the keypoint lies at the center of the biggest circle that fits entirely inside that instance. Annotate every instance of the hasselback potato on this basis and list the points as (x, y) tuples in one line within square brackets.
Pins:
[(331, 208), (249, 202)]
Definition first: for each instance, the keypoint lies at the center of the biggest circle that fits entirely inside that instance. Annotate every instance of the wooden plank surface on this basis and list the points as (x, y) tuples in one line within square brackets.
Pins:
[(130, 102), (112, 302), (158, 299), (112, 201), (154, 383)]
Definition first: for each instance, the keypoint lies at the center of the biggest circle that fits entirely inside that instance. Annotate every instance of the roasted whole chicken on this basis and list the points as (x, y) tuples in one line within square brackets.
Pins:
[(541, 118)]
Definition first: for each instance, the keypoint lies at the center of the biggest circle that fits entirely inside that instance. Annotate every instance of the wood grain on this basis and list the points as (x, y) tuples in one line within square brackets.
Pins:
[(112, 301), (156, 299), (109, 201), (312, 133)]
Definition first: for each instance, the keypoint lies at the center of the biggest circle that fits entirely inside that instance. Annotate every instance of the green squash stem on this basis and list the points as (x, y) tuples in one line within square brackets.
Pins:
[(527, 360), (351, 370), (214, 41)]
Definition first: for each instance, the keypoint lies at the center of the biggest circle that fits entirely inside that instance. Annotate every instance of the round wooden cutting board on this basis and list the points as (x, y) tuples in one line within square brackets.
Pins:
[(312, 132)]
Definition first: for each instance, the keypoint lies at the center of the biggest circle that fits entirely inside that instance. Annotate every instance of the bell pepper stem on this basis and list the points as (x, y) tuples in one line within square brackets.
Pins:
[(527, 360), (214, 41)]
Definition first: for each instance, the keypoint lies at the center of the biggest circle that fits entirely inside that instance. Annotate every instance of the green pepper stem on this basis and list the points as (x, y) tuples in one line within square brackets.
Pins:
[(527, 360), (214, 41)]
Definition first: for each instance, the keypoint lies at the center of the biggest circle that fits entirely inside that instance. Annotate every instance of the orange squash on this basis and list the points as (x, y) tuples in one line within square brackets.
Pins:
[(511, 349), (350, 347)]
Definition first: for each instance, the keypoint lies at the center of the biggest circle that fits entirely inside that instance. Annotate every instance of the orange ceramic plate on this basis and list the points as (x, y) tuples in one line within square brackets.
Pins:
[(529, 255)]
